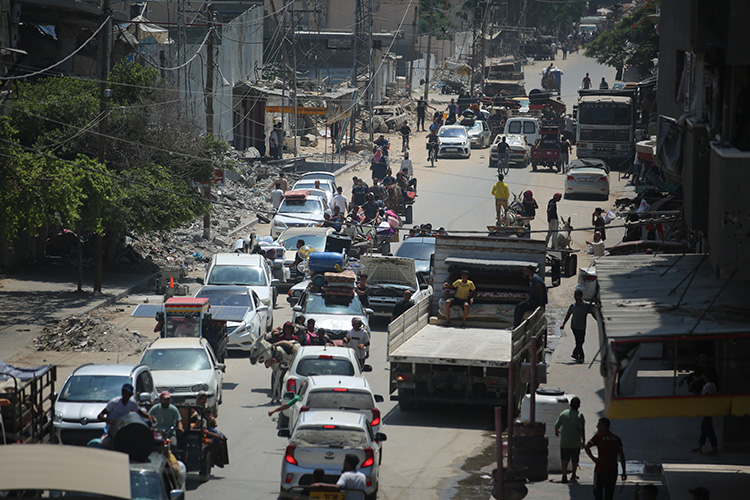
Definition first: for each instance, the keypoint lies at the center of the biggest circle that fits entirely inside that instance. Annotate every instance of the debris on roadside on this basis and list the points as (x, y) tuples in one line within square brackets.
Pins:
[(90, 333)]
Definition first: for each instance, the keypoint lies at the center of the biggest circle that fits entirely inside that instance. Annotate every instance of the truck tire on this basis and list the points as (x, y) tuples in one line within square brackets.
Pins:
[(556, 264), (409, 214)]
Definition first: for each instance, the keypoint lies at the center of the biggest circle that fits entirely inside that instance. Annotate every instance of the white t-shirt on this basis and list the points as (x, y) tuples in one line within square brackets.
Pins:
[(353, 483), (339, 201), (276, 196), (357, 337), (115, 408), (406, 164), (598, 247), (708, 388)]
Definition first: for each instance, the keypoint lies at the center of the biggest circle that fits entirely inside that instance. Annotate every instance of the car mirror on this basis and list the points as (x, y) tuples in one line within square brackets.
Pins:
[(379, 398), (177, 495), (221, 366), (424, 286), (144, 397), (262, 308), (297, 308), (369, 312), (275, 282), (367, 368), (200, 282), (381, 437)]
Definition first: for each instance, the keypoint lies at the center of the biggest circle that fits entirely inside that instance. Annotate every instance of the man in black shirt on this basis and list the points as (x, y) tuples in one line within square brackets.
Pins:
[(371, 209), (421, 113), (402, 305), (376, 189), (553, 224), (405, 131), (359, 191)]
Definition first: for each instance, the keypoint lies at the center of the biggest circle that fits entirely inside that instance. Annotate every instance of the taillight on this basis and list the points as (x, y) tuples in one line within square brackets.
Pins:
[(289, 454), (325, 356), (603, 179), (329, 426), (340, 389), (368, 481), (403, 377), (369, 457), (571, 178), (375, 417), (288, 479), (291, 385), (304, 408)]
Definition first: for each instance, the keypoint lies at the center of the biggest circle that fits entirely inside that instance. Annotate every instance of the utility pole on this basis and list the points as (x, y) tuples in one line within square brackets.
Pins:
[(209, 107), (283, 77), (429, 53), (362, 53), (413, 45), (104, 95), (294, 76)]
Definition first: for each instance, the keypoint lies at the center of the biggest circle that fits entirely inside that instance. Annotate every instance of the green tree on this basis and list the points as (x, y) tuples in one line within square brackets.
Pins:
[(632, 42)]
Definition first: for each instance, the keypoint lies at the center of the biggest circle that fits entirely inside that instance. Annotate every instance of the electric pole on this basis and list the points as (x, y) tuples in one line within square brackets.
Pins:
[(362, 62), (429, 53), (413, 45), (294, 76), (209, 108)]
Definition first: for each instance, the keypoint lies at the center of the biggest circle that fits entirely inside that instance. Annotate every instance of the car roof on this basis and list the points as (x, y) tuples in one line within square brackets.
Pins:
[(332, 381), (105, 369), (318, 173), (316, 350), (296, 231), (419, 239), (234, 258), (448, 127), (177, 343), (229, 289), (332, 417)]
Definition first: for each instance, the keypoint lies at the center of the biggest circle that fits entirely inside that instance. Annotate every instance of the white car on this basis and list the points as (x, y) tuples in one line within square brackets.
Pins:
[(320, 441), (321, 175), (315, 237), (240, 334), (589, 176), (326, 392), (302, 210), (479, 134), (242, 269), (453, 141), (335, 316), (184, 366), (328, 188), (518, 149)]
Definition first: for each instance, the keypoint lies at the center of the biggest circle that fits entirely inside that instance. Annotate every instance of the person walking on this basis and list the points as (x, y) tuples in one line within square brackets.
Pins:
[(707, 424), (421, 113), (609, 448), (405, 131), (537, 295), (464, 297), (598, 222), (586, 83), (358, 339), (565, 149), (339, 200), (351, 481), (452, 113), (501, 192), (277, 196), (579, 310), (571, 427), (603, 85), (553, 222)]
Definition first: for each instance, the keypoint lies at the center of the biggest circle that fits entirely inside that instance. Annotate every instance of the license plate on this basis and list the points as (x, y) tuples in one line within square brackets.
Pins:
[(585, 179), (326, 495), (452, 150), (407, 385)]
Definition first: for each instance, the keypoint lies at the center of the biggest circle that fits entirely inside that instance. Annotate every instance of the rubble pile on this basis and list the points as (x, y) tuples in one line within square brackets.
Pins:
[(90, 333)]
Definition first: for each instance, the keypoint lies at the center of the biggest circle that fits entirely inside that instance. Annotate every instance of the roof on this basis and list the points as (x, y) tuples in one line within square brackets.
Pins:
[(326, 381), (92, 369), (296, 231), (245, 259), (640, 296), (65, 468), (177, 343), (607, 98), (330, 417)]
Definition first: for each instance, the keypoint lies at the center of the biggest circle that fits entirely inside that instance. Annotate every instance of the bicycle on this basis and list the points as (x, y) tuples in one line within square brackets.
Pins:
[(432, 153), (503, 164)]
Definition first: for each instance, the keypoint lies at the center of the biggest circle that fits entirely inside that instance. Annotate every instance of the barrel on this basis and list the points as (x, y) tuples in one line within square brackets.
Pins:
[(530, 449), (131, 435), (321, 262)]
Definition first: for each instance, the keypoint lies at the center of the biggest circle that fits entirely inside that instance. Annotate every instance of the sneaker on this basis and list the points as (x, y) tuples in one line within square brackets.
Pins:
[(564, 479)]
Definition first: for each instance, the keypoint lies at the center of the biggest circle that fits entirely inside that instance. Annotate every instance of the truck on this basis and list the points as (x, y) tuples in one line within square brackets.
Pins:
[(27, 403), (606, 125), (432, 363)]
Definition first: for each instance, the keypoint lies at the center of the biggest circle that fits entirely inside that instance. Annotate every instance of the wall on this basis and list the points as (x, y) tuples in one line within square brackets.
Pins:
[(674, 39)]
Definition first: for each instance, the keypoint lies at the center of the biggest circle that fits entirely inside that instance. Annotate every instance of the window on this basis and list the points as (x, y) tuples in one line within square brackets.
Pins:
[(315, 366), (339, 400), (92, 388), (529, 127), (144, 383), (237, 275), (176, 359), (330, 438), (514, 127), (218, 297)]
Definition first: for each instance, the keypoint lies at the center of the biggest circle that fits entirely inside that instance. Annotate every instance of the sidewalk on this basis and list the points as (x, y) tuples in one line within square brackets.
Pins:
[(36, 297)]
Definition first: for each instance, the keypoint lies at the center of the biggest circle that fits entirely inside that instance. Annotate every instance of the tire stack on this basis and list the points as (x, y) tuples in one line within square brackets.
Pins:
[(530, 449)]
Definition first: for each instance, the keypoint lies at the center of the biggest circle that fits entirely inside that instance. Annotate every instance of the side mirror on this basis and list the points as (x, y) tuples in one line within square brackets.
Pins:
[(381, 437), (221, 366), (297, 308), (262, 308), (424, 286), (144, 397), (177, 495), (275, 282), (369, 312), (366, 368), (199, 281), (379, 398)]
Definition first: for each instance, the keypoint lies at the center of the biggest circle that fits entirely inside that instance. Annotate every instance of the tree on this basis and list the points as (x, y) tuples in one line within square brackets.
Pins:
[(633, 42)]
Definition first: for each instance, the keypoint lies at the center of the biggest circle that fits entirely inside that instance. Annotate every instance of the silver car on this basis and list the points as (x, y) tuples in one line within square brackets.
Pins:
[(335, 316), (479, 134)]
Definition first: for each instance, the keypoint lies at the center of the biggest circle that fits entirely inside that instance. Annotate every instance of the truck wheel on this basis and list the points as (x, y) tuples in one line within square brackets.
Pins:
[(409, 214)]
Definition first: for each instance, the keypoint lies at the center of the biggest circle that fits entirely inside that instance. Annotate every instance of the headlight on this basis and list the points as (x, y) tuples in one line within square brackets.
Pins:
[(58, 417), (279, 223), (199, 387)]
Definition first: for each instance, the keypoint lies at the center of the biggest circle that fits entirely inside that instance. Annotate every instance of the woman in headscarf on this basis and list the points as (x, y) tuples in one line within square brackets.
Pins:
[(529, 204)]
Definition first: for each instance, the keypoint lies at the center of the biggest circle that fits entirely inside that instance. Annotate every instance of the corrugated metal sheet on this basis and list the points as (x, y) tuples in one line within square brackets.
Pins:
[(640, 296)]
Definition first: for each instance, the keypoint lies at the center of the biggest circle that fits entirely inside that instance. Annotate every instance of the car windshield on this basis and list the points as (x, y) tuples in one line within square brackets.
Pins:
[(319, 437), (324, 186), (514, 141), (477, 127), (418, 251), (604, 113), (307, 206), (317, 241), (146, 486), (216, 297), (236, 275), (176, 359), (452, 132), (316, 304), (339, 399), (308, 367), (92, 388)]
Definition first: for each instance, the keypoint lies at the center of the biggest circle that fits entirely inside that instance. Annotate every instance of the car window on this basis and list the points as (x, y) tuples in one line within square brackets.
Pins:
[(316, 304), (92, 388), (308, 367), (529, 127), (318, 242), (176, 359), (340, 400), (146, 486), (144, 383), (514, 127), (419, 251), (324, 186), (484, 125), (319, 437), (452, 132), (311, 206), (237, 275), (217, 297)]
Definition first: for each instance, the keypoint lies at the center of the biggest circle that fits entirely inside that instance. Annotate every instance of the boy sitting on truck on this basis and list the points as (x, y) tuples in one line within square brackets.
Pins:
[(464, 297)]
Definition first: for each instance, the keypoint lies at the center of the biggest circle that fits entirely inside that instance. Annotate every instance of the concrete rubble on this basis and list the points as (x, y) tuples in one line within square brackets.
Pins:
[(90, 333)]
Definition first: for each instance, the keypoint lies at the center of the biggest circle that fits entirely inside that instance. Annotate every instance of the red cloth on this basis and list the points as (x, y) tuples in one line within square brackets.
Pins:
[(608, 445)]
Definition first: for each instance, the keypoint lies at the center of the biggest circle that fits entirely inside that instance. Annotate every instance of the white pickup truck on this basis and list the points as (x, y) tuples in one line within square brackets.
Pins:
[(388, 278), (431, 363)]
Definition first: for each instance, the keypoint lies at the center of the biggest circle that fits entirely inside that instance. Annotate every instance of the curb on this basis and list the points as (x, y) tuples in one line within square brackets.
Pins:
[(114, 299), (348, 168)]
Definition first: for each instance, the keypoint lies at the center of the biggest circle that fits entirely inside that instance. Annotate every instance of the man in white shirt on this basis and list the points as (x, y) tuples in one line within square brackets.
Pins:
[(119, 407), (359, 340), (277, 195), (351, 481), (339, 200), (597, 245), (406, 164)]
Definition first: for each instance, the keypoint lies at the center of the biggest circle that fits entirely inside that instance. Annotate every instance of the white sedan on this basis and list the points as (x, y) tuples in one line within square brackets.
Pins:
[(298, 212), (240, 334), (453, 141), (479, 134), (184, 366), (588, 176), (519, 150), (327, 187)]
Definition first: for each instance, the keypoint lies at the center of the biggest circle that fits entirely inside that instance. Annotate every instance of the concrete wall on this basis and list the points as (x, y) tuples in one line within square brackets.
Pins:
[(674, 40)]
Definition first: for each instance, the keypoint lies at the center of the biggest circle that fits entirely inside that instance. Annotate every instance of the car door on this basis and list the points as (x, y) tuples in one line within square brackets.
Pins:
[(217, 379), (260, 318), (294, 410), (486, 136)]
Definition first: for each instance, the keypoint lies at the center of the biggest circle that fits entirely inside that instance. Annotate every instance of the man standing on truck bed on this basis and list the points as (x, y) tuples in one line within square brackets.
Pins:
[(464, 297), (537, 295), (402, 305), (586, 83)]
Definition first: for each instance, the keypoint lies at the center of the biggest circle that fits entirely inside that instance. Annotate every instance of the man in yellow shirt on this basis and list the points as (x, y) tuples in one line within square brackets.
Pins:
[(501, 193), (464, 297)]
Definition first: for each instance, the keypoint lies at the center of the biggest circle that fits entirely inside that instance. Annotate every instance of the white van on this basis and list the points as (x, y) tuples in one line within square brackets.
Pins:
[(528, 127)]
